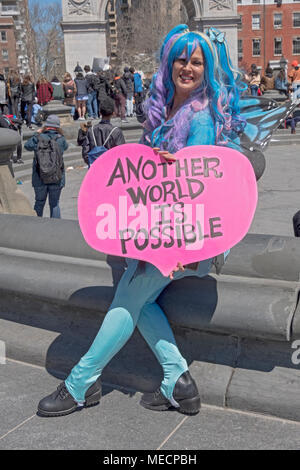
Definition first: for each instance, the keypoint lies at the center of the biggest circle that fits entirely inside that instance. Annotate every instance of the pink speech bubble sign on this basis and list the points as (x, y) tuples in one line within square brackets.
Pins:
[(135, 205)]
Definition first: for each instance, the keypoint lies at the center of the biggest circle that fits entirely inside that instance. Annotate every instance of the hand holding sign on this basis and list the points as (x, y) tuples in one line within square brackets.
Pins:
[(132, 203)]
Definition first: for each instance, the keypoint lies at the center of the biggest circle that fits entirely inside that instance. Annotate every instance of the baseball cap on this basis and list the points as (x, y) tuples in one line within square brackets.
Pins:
[(294, 63)]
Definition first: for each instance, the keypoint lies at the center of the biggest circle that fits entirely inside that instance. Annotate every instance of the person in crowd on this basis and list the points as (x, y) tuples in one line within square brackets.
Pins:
[(14, 92), (44, 91), (82, 139), (45, 142), (294, 77), (37, 114), (129, 83), (138, 88), (69, 89), (268, 80), (58, 93), (82, 95), (15, 124), (103, 134), (3, 95), (120, 97), (92, 103), (104, 88), (27, 99), (292, 121), (195, 85), (254, 80), (281, 83)]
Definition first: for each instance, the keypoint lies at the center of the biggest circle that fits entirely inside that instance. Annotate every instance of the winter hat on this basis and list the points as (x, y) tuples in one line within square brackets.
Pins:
[(52, 121), (294, 63)]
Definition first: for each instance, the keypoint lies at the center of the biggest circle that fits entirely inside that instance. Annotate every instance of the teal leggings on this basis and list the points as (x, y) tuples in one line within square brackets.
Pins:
[(135, 305)]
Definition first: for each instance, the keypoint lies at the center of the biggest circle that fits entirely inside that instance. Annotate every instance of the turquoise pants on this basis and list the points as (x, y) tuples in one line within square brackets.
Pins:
[(134, 305)]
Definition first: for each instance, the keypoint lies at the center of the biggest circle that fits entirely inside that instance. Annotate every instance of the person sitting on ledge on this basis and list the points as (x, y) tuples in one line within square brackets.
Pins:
[(194, 101)]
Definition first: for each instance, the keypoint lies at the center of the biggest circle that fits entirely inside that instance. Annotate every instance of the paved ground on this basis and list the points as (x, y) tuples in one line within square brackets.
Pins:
[(120, 423), (279, 192)]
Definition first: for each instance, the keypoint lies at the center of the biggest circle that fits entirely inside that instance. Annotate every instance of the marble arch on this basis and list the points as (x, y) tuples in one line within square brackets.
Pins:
[(84, 26), (193, 8)]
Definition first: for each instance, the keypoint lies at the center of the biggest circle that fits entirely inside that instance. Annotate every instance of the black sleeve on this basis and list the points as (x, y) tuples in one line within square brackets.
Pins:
[(123, 86), (118, 137), (87, 144)]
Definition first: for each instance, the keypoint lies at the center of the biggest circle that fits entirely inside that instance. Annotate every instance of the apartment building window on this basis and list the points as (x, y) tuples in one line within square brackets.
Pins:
[(255, 1), (277, 20), (240, 48), (3, 36), (296, 46), (255, 21), (4, 54), (296, 20), (240, 24), (277, 46), (256, 47)]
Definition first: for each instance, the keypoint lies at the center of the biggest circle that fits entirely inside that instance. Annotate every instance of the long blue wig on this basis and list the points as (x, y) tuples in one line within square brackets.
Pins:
[(220, 88)]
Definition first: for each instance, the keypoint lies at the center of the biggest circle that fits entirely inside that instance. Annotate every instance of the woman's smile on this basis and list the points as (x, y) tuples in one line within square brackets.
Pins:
[(188, 76)]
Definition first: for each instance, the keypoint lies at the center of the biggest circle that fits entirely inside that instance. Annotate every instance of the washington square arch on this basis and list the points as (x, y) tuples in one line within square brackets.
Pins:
[(85, 25)]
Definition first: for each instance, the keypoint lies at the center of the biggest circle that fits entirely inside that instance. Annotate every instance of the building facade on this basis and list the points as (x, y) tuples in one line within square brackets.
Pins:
[(269, 32), (8, 52), (13, 39)]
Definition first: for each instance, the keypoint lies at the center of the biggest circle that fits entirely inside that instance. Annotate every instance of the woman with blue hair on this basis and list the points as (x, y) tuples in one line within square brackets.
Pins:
[(194, 101)]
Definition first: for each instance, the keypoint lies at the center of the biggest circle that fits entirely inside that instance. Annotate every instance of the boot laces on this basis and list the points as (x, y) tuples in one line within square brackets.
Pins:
[(157, 393), (62, 391)]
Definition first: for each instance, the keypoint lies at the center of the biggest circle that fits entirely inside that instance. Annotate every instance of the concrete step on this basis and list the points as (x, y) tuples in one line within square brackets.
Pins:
[(24, 175), (72, 157)]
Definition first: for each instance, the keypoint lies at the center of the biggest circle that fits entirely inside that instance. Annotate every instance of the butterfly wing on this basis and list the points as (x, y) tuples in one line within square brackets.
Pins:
[(263, 116)]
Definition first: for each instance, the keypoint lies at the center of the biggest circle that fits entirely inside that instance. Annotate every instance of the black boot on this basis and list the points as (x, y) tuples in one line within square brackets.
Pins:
[(61, 402), (185, 393)]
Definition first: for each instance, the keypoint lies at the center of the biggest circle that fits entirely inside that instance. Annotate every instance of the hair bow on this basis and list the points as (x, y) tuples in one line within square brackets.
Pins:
[(216, 36)]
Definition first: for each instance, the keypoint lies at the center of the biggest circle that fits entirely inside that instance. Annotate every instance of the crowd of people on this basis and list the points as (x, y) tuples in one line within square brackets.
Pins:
[(287, 85), (83, 93)]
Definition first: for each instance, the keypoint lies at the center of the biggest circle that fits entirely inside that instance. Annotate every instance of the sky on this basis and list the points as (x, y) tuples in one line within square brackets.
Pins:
[(44, 2)]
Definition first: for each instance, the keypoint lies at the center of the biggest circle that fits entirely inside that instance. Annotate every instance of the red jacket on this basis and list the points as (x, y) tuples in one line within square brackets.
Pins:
[(44, 93)]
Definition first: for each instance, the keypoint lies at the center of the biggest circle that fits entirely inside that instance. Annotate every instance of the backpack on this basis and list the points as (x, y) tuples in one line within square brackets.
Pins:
[(9, 122), (49, 157), (98, 151), (69, 91)]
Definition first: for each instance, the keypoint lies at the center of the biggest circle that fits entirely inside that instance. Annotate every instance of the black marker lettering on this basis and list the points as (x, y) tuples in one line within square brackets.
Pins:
[(207, 168), (124, 240), (213, 226), (195, 169), (133, 169), (153, 168), (144, 243), (118, 168)]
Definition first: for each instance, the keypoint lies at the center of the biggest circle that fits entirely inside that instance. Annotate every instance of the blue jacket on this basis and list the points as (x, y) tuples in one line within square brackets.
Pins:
[(202, 132), (31, 146), (138, 83)]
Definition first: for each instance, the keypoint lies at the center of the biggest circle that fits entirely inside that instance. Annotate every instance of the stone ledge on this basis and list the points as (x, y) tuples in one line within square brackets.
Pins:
[(235, 330), (39, 259)]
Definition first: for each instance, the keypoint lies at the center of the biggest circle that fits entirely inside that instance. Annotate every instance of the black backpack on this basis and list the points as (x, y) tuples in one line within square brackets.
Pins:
[(49, 157)]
